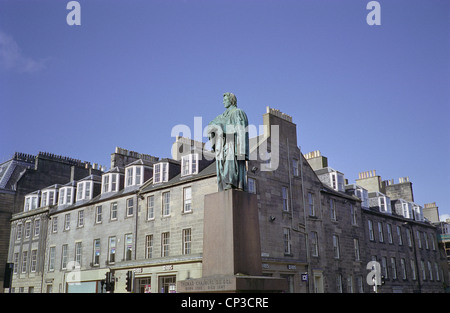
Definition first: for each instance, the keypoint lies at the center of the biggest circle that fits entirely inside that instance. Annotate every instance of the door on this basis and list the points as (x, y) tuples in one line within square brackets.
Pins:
[(318, 283)]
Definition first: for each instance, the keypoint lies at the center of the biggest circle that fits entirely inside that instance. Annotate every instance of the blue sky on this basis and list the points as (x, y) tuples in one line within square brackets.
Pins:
[(368, 97)]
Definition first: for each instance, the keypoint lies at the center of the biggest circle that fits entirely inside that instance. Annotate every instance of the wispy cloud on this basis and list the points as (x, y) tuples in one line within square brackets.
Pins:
[(11, 56)]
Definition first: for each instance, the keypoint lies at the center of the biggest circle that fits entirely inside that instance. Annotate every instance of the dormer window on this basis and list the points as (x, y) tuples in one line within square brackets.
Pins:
[(418, 213), (84, 190), (48, 198), (31, 202), (363, 195), (161, 172), (110, 182), (407, 210), (384, 204), (66, 195), (337, 181), (189, 164), (134, 176)]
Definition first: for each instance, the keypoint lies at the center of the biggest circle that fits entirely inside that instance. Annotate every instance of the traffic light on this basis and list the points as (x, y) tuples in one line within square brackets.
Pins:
[(108, 282), (7, 280), (129, 280)]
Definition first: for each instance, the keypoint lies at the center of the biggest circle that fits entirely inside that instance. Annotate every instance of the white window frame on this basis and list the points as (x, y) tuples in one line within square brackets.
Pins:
[(130, 206), (51, 258), (113, 211), (165, 203), (78, 253), (382, 204), (187, 241), (333, 180), (67, 221), (80, 218), (37, 227), (187, 199), (82, 190), (189, 164), (112, 246), (19, 231), (46, 199), (64, 256), (149, 246), (33, 261), (27, 229), (66, 197), (105, 183), (165, 244), (16, 263), (128, 242), (110, 182), (114, 182), (134, 175), (98, 214), (129, 177), (151, 207), (97, 252), (31, 203), (161, 172), (54, 224), (157, 173)]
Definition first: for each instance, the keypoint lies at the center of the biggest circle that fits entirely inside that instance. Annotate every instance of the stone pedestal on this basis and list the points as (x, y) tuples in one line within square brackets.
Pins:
[(231, 247)]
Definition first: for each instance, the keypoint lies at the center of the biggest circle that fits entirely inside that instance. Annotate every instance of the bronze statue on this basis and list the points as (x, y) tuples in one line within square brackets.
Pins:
[(228, 134)]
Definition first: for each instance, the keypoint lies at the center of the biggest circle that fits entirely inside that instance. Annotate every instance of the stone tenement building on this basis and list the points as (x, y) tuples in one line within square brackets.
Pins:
[(145, 216), (25, 173)]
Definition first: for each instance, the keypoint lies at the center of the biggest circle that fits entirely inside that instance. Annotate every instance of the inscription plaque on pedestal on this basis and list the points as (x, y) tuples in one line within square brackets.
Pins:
[(231, 247)]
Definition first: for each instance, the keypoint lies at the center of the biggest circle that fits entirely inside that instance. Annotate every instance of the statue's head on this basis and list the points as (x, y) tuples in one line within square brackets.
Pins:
[(229, 99)]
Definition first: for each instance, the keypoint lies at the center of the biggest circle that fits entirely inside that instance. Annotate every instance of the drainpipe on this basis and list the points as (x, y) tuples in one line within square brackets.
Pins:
[(137, 196), (308, 268)]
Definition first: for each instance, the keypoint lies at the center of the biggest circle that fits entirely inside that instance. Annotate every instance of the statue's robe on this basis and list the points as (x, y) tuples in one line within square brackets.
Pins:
[(230, 143)]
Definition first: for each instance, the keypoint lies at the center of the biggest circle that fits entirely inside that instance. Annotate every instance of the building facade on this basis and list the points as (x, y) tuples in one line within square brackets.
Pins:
[(141, 224), (26, 174)]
